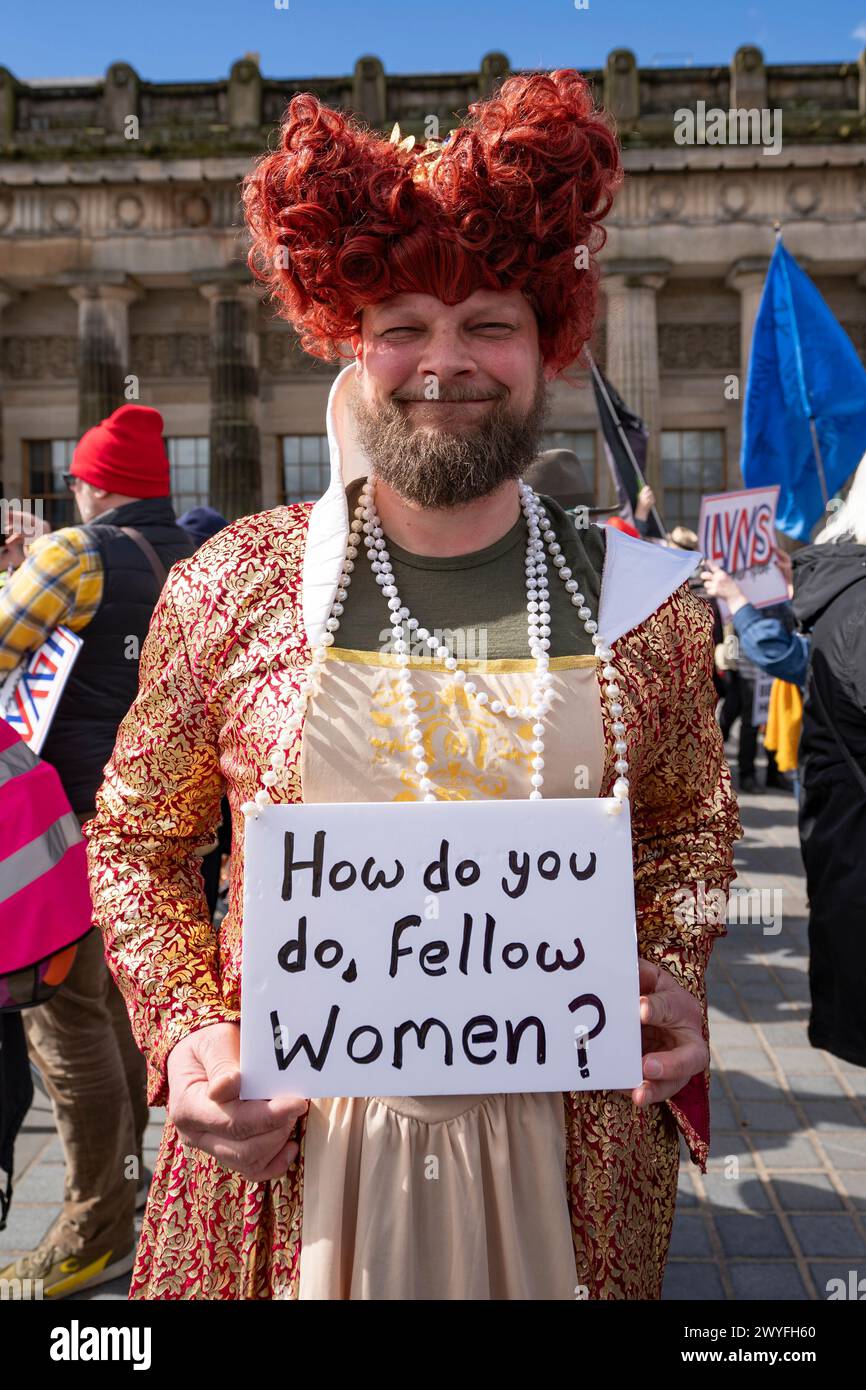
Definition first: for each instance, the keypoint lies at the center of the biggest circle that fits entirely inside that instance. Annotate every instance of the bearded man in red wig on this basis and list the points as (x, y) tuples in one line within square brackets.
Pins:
[(448, 277)]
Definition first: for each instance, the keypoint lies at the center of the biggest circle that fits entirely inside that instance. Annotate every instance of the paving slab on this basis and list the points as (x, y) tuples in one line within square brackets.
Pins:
[(829, 1234), (810, 1192), (755, 1234), (759, 1280)]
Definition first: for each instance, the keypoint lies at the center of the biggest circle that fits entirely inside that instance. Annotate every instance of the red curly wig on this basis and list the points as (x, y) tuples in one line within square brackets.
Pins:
[(341, 218)]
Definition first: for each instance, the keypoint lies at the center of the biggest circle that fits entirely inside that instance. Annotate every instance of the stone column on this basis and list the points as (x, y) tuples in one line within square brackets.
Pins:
[(103, 345), (748, 79), (235, 451), (632, 346), (121, 102), (245, 95), (494, 69), (747, 277), (369, 91), (8, 100), (6, 297), (622, 86)]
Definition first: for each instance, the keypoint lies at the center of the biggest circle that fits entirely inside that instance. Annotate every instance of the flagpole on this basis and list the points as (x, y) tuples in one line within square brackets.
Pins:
[(599, 381), (816, 446)]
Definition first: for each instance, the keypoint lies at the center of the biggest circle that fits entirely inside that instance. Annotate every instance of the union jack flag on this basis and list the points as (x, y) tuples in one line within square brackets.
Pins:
[(31, 693)]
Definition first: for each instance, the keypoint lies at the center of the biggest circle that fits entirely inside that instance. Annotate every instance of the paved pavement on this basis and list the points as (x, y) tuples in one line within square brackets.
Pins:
[(782, 1208)]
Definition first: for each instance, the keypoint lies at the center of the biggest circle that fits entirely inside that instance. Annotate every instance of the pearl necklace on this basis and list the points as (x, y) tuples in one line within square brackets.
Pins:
[(366, 525)]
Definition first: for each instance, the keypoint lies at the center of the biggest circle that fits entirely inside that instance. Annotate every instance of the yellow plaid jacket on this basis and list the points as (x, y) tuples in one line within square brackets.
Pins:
[(59, 582)]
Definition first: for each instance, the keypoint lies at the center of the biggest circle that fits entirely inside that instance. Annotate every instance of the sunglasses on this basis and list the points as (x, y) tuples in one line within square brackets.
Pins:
[(70, 479)]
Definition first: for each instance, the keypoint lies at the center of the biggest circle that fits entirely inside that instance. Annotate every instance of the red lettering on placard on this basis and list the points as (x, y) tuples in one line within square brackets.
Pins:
[(763, 542)]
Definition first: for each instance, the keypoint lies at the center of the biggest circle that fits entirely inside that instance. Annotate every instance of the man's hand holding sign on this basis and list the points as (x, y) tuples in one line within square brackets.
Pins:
[(672, 1040), (252, 1137)]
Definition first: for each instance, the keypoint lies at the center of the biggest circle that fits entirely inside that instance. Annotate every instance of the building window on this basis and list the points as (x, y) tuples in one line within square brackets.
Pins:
[(693, 463), (306, 467), (45, 462), (580, 442), (189, 457)]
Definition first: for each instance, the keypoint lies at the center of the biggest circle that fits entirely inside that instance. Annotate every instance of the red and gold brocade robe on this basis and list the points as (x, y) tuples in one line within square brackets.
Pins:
[(227, 635), (229, 638)]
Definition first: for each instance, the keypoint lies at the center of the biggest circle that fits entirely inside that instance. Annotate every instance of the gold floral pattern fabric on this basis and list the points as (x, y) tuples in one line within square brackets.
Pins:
[(354, 745), (224, 652)]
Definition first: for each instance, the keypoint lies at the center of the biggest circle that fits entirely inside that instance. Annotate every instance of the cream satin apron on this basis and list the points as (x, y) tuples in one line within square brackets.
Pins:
[(440, 1197)]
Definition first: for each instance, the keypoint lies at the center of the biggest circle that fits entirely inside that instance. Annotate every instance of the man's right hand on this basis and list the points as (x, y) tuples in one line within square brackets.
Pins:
[(204, 1082)]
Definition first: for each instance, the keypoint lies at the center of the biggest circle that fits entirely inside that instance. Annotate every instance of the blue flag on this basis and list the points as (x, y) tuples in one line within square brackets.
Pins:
[(803, 364)]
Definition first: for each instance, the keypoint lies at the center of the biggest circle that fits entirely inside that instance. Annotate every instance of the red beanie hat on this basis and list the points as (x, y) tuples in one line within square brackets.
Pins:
[(620, 523), (125, 454)]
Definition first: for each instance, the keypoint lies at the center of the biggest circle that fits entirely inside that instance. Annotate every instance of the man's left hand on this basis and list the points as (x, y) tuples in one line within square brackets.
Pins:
[(672, 1041)]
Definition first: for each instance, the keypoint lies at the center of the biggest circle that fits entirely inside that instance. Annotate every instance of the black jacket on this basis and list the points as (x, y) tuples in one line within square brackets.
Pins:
[(104, 679), (830, 603)]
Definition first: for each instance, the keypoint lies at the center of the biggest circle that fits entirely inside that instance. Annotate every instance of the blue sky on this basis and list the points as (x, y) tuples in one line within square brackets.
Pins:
[(176, 39)]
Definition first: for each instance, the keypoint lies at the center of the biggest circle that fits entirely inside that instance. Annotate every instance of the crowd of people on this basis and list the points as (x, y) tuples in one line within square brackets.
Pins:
[(185, 708), (814, 648)]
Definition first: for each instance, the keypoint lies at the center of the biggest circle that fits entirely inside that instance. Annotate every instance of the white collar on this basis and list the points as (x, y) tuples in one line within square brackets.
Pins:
[(636, 580)]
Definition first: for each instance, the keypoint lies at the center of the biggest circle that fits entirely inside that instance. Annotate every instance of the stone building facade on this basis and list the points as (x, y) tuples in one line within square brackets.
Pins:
[(122, 263)]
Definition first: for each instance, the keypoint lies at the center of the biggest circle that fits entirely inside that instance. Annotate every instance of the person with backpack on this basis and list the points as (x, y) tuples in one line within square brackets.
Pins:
[(45, 912), (102, 580)]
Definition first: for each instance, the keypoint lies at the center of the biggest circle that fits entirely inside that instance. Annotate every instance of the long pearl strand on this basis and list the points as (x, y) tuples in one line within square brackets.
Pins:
[(366, 527)]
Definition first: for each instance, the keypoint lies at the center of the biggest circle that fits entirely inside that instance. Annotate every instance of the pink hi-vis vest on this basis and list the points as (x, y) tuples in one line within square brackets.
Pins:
[(44, 896)]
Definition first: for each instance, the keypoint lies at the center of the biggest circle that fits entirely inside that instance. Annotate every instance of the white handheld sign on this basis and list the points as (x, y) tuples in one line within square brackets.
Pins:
[(439, 948)]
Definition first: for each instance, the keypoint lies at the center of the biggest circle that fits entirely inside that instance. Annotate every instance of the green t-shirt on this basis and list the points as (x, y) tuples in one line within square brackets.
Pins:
[(480, 597)]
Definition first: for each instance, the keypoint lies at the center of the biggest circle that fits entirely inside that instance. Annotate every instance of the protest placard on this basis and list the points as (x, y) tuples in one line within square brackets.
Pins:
[(761, 698), (441, 948), (736, 530), (30, 694)]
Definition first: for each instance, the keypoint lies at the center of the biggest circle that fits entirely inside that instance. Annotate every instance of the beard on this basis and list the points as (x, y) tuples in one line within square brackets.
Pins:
[(437, 468)]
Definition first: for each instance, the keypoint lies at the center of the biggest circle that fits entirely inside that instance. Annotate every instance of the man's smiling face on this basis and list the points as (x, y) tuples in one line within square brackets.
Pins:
[(475, 353), (449, 397)]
